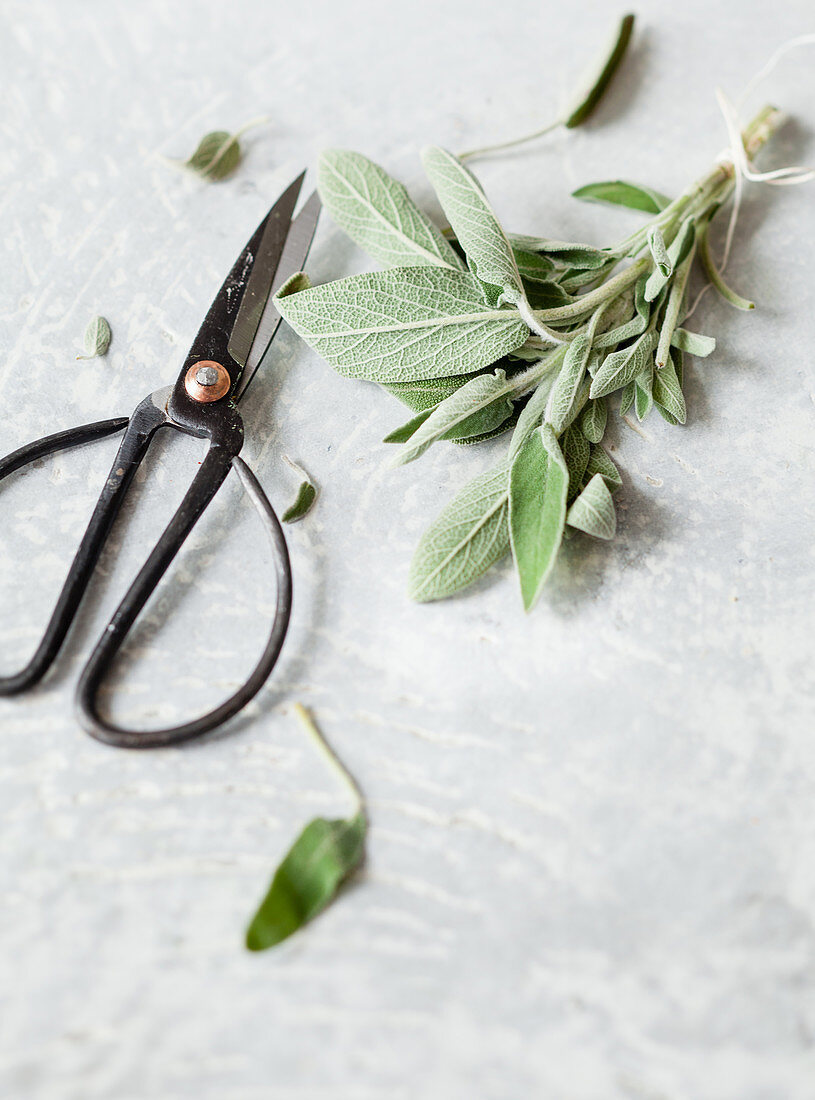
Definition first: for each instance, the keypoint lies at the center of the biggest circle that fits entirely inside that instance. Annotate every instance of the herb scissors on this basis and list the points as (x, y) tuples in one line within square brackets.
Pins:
[(231, 343)]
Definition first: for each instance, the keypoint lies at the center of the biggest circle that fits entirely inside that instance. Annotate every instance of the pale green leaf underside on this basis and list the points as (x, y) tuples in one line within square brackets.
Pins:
[(404, 324), (377, 212), (464, 540), (593, 511)]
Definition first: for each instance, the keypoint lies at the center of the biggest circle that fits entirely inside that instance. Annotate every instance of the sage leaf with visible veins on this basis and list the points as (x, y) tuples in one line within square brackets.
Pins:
[(668, 392), (489, 253), (599, 75), (219, 153), (568, 382), (694, 343), (479, 406), (468, 536), (593, 420), (621, 367), (322, 858), (593, 511), (377, 212), (538, 487), (403, 324), (600, 463), (96, 338), (621, 193)]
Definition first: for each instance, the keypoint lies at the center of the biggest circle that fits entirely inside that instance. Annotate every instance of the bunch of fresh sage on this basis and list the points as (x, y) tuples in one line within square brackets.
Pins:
[(478, 332)]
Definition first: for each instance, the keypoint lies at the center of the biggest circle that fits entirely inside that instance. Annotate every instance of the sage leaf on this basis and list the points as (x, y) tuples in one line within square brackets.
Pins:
[(322, 858), (679, 248), (568, 382), (673, 309), (564, 252), (627, 397), (404, 324), (593, 420), (621, 367), (538, 488), (96, 338), (593, 511), (488, 251), (668, 392), (659, 252), (576, 451), (423, 394), (468, 536), (598, 77), (694, 343), (406, 430), (643, 391), (479, 406), (600, 463), (377, 212), (621, 193), (533, 266), (303, 502), (217, 156)]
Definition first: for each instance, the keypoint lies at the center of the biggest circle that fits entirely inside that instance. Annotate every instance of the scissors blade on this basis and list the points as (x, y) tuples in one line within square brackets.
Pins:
[(264, 266), (295, 251)]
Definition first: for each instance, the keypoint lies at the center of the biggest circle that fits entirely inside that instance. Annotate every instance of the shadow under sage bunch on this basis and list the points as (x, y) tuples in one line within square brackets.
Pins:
[(479, 332)]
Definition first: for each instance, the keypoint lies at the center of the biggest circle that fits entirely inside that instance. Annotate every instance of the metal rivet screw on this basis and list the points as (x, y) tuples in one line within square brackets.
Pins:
[(206, 376)]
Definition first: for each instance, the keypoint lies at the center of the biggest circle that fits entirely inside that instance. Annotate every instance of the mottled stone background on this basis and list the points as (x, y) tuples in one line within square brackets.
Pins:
[(592, 860)]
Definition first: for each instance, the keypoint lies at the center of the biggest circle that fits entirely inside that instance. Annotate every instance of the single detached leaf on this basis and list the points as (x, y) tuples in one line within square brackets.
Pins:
[(306, 495), (96, 339), (599, 75), (600, 463), (593, 511), (668, 392), (378, 214), (404, 324), (694, 343), (593, 420), (538, 487), (316, 865), (621, 193), (217, 156), (464, 540), (478, 407), (488, 251)]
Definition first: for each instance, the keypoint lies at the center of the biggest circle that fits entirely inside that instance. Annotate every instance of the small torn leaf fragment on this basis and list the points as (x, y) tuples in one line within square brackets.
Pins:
[(218, 153), (324, 855), (621, 193), (306, 495), (593, 511), (599, 76), (96, 338)]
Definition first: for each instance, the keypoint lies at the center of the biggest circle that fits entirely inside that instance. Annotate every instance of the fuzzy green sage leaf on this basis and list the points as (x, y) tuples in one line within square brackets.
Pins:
[(96, 338), (593, 511), (635, 196), (598, 77)]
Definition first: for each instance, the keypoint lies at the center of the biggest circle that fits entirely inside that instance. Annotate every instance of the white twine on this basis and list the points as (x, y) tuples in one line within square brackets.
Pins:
[(736, 154)]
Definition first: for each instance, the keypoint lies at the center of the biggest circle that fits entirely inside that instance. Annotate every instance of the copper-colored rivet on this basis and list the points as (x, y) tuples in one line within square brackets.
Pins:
[(207, 381)]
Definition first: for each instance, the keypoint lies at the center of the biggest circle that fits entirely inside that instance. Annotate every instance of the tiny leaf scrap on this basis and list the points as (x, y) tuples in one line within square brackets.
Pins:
[(96, 338)]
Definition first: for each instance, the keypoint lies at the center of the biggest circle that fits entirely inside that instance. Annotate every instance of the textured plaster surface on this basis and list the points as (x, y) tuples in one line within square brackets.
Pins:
[(591, 869)]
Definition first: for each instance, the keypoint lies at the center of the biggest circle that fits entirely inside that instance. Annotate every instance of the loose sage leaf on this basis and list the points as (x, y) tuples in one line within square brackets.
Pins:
[(217, 156), (96, 339), (600, 463), (303, 502), (668, 392), (643, 391), (621, 367), (401, 325), (568, 382), (377, 212), (659, 252), (679, 248), (468, 536), (406, 430), (621, 193), (598, 77), (694, 343), (538, 487), (479, 406), (488, 251), (593, 511), (593, 420), (314, 868)]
